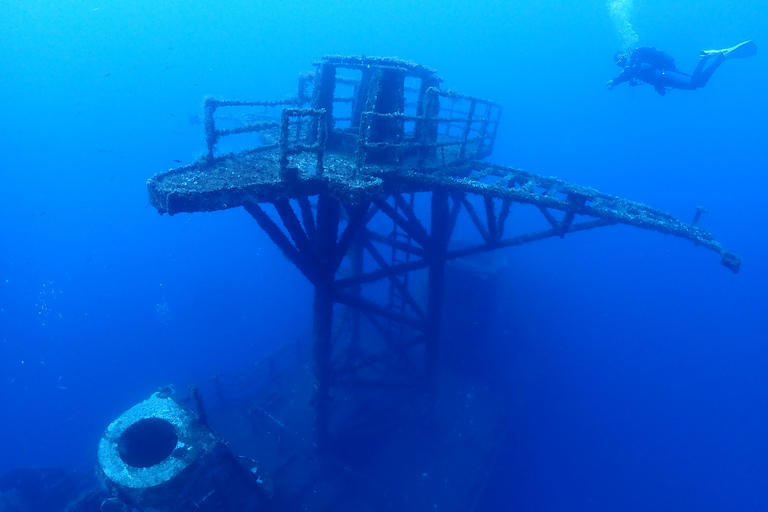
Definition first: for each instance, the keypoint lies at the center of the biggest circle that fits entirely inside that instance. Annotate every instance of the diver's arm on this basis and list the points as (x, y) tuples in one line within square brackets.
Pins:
[(625, 76)]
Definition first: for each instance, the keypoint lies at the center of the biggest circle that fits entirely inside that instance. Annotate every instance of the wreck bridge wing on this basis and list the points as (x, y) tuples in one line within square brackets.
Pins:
[(548, 193), (361, 128), (242, 179)]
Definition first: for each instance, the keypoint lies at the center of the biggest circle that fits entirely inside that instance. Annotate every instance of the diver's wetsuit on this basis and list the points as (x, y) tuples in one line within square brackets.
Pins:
[(658, 69)]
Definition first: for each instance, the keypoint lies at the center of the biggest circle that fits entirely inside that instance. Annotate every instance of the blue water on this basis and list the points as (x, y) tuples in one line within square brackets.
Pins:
[(643, 360)]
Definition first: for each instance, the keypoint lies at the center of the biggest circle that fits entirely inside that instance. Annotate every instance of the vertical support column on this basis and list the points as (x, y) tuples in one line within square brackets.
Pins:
[(386, 98), (356, 261), (361, 97), (211, 137), (488, 149), (437, 255), (423, 109), (467, 129), (428, 129), (322, 98), (327, 228), (285, 133)]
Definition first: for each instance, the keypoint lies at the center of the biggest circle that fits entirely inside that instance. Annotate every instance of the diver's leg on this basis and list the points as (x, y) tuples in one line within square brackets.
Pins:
[(675, 80), (700, 66), (701, 75)]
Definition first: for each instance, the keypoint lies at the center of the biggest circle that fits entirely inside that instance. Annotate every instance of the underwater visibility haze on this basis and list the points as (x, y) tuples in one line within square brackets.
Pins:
[(638, 363)]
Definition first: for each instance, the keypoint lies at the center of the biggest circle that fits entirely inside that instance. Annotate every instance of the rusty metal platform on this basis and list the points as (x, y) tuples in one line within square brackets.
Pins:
[(241, 179)]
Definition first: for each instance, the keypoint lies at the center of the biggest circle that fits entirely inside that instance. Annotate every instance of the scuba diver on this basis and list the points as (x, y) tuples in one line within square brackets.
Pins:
[(658, 69)]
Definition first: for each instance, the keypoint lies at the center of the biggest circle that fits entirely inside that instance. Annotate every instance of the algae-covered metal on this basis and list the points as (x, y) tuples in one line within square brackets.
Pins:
[(373, 127), (159, 456)]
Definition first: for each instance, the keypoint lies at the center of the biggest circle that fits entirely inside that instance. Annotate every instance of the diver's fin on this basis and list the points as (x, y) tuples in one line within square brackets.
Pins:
[(740, 51)]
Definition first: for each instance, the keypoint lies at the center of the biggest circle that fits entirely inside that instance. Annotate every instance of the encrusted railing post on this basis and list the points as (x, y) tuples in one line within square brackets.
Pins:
[(285, 133), (211, 137), (322, 135), (429, 128), (362, 141), (467, 128), (318, 121)]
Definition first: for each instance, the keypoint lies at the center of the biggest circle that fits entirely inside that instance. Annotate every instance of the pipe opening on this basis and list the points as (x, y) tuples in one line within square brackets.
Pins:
[(147, 442)]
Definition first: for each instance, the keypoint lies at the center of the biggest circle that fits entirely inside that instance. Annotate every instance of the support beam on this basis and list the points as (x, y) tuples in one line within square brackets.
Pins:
[(401, 287), (578, 202), (356, 253), (376, 275), (307, 218), (530, 237), (490, 215), (397, 244), (476, 220), (437, 259), (357, 216), (550, 218), (322, 332), (392, 270), (301, 260), (456, 198), (414, 229), (293, 225), (369, 307), (406, 207), (506, 204)]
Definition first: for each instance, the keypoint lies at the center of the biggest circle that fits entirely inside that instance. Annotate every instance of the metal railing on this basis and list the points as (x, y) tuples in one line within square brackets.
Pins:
[(305, 130), (295, 125), (483, 124), (317, 121), (213, 134), (476, 141)]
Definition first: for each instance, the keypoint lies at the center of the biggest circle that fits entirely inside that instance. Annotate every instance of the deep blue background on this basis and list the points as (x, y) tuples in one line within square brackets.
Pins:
[(643, 361)]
